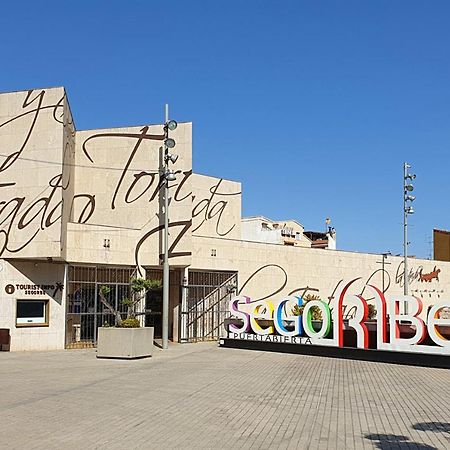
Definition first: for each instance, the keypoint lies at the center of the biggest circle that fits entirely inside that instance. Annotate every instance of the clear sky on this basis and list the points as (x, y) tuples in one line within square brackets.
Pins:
[(312, 105)]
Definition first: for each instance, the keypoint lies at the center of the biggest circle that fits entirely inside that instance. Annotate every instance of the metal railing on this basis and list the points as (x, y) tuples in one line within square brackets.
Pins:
[(204, 317)]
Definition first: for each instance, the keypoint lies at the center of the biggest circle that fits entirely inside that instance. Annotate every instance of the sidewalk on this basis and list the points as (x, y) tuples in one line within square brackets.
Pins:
[(200, 396)]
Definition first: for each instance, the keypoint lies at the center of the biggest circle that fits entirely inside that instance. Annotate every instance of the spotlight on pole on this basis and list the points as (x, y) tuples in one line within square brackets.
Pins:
[(169, 143), (172, 125), (170, 175), (171, 157)]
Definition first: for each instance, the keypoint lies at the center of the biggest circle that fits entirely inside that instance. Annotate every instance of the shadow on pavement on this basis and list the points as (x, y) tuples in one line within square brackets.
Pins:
[(436, 427), (391, 441)]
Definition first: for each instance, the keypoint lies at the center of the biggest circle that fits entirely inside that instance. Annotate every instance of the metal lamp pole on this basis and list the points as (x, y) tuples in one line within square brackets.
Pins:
[(168, 175), (407, 209), (166, 267), (405, 233)]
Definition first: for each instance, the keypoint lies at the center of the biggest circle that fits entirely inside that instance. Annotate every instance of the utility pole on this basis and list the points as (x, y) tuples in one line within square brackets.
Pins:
[(383, 263)]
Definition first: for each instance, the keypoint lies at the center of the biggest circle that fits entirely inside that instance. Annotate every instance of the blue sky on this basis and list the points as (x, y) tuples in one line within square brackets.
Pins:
[(312, 105)]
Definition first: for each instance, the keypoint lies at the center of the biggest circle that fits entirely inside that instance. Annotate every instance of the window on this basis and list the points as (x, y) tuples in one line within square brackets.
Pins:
[(32, 313), (287, 231)]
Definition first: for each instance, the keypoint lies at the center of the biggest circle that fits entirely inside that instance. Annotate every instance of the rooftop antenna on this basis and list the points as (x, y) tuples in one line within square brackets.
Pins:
[(430, 246)]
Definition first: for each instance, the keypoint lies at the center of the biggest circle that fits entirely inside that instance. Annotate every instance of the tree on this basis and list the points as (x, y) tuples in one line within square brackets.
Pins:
[(139, 287)]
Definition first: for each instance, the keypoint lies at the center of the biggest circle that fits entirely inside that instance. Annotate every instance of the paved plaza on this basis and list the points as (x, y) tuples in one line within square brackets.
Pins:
[(201, 396)]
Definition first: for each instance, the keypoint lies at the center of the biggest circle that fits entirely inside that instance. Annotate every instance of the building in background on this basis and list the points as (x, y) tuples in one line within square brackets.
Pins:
[(285, 232), (441, 245), (81, 209), (322, 240)]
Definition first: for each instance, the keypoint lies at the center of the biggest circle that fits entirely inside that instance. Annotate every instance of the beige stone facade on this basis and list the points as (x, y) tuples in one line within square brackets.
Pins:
[(80, 209)]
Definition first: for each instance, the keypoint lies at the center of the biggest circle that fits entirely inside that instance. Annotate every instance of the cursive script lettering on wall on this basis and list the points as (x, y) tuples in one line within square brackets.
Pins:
[(25, 215), (212, 207)]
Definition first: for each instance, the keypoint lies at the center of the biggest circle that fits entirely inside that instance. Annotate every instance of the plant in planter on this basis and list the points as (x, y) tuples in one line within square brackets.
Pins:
[(126, 340), (316, 313), (372, 312)]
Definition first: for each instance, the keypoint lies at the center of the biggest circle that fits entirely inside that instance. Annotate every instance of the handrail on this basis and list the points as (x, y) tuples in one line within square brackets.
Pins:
[(208, 309), (205, 317), (234, 275)]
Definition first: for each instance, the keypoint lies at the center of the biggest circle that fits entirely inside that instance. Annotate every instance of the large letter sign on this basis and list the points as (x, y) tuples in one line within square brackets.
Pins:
[(262, 311), (307, 320), (275, 321), (245, 328), (434, 322), (297, 320), (415, 307)]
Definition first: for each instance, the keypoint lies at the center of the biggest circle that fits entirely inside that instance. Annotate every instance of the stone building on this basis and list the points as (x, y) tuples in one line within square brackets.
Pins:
[(82, 208)]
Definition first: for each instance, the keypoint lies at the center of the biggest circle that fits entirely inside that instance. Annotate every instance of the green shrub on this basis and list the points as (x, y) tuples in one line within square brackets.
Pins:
[(153, 284), (141, 284), (127, 302), (130, 323)]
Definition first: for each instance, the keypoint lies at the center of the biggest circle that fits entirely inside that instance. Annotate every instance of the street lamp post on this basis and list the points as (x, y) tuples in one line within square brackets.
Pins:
[(407, 210), (167, 175)]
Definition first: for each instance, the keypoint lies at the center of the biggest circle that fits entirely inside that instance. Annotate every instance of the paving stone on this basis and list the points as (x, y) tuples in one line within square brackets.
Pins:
[(200, 396)]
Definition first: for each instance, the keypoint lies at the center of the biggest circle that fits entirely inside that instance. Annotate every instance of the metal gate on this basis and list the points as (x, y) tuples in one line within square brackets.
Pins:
[(85, 312), (207, 298)]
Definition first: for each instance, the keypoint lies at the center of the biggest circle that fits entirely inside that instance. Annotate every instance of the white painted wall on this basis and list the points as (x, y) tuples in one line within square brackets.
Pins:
[(16, 273)]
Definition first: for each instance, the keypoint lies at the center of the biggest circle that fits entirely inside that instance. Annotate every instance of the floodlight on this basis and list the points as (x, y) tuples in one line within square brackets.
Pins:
[(171, 157), (170, 175), (169, 143), (172, 125)]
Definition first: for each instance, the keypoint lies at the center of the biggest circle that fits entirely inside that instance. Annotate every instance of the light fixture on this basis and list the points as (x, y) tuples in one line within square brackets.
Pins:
[(172, 125), (409, 210), (411, 176), (410, 198), (170, 175), (169, 143), (409, 187), (171, 157)]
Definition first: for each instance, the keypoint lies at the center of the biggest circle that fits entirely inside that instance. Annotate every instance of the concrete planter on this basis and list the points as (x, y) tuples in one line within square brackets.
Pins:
[(125, 343)]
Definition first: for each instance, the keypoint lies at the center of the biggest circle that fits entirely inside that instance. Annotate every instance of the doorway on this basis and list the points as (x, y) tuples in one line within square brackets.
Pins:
[(154, 300), (153, 308)]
